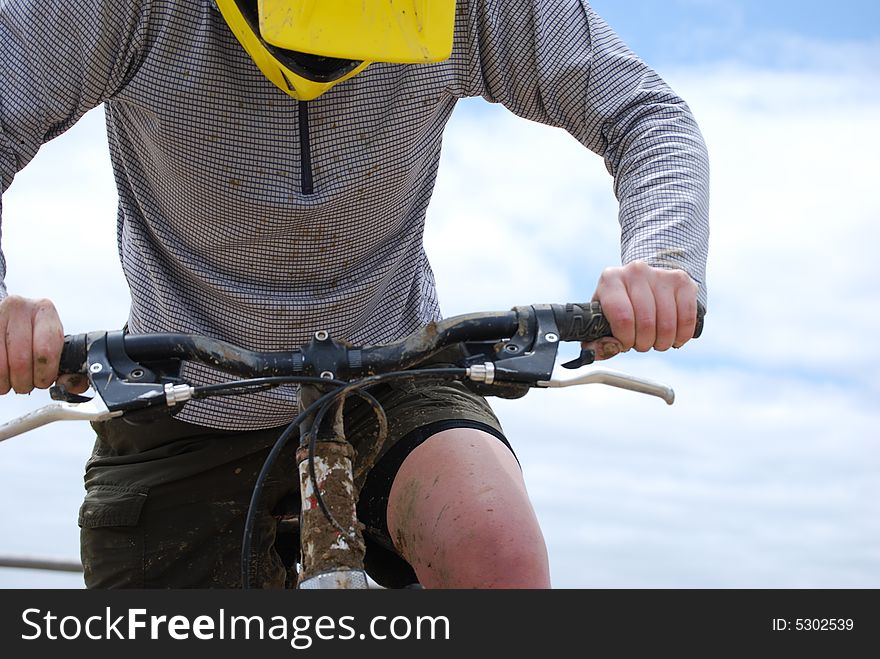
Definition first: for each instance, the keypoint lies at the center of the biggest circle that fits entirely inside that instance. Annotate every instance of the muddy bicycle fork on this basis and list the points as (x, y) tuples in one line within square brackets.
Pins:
[(332, 547)]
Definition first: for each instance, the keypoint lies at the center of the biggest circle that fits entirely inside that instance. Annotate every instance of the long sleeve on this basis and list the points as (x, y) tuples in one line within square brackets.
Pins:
[(557, 62), (58, 60)]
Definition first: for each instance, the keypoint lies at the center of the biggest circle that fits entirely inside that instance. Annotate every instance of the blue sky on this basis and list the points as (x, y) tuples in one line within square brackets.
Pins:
[(668, 32), (766, 471)]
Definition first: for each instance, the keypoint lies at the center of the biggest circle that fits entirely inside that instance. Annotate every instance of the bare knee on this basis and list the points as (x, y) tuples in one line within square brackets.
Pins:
[(460, 514), (492, 553)]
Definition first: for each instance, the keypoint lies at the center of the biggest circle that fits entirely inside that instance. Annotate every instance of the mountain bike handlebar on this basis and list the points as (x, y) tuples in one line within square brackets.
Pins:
[(575, 322), (514, 349)]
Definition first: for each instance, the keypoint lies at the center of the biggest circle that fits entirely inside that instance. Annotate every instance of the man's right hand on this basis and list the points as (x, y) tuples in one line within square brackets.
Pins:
[(31, 339)]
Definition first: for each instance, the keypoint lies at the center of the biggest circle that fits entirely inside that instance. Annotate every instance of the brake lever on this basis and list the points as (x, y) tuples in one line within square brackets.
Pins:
[(615, 379), (92, 410), (587, 357)]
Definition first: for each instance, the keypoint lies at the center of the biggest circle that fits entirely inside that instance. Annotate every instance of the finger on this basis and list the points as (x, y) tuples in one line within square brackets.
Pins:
[(666, 317), (604, 348), (75, 384), (686, 311), (611, 293), (48, 340), (19, 346), (644, 312)]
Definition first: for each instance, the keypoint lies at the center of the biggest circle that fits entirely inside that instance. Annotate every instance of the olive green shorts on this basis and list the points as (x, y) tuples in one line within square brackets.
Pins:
[(166, 501)]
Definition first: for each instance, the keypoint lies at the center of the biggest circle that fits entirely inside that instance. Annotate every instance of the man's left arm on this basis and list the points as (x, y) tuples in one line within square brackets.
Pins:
[(655, 151), (559, 63)]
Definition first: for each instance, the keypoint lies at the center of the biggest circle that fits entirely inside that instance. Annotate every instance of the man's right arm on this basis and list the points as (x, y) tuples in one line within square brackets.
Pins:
[(58, 60)]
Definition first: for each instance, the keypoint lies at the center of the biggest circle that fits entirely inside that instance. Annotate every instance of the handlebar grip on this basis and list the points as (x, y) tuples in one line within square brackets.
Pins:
[(74, 354), (586, 322), (581, 322)]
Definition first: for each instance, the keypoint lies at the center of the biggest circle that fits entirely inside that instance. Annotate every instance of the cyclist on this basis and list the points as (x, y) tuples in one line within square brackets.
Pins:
[(274, 161)]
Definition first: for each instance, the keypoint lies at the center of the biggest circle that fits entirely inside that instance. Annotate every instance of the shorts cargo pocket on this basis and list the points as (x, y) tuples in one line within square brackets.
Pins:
[(111, 505), (111, 543)]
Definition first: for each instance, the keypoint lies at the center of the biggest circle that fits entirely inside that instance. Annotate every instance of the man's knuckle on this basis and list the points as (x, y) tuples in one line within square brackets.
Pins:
[(47, 345), (43, 358), (17, 360), (12, 303), (666, 327), (609, 275), (624, 321)]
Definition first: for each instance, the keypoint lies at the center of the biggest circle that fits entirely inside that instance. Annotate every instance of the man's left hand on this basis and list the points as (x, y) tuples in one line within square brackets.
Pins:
[(647, 307)]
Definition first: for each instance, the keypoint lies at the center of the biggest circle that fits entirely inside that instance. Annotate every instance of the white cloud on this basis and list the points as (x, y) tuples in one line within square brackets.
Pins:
[(792, 269)]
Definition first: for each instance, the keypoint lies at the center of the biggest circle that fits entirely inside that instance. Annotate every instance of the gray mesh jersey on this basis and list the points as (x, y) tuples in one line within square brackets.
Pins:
[(247, 216)]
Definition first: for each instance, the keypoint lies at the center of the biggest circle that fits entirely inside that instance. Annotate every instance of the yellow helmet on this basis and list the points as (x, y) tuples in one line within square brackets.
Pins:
[(306, 46)]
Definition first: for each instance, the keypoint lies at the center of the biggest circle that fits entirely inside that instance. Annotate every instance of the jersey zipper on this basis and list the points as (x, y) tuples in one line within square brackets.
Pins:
[(306, 180)]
